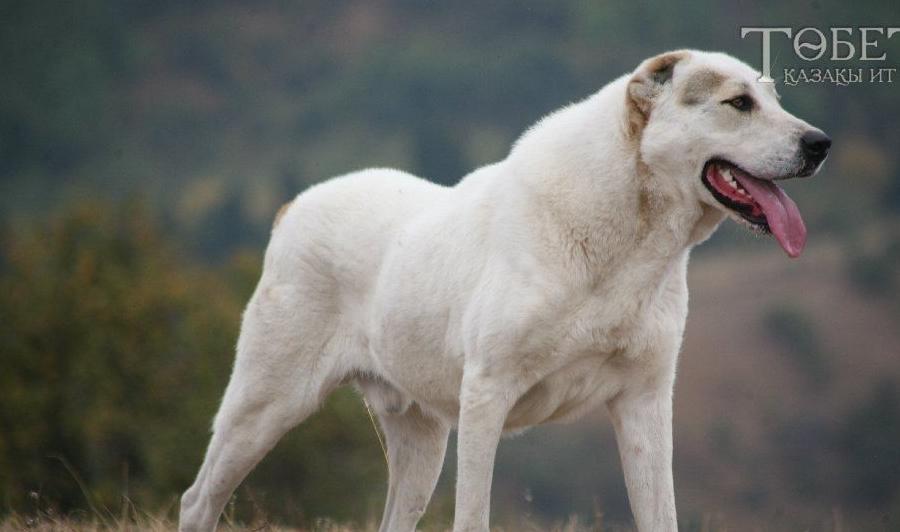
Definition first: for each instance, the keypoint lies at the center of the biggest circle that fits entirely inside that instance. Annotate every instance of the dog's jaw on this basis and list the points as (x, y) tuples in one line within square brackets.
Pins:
[(706, 225)]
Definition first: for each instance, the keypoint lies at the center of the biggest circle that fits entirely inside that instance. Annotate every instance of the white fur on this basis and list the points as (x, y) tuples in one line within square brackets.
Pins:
[(536, 289)]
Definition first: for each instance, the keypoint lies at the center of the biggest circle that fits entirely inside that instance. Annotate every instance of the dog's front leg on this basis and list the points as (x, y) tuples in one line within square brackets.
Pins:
[(484, 405), (643, 423)]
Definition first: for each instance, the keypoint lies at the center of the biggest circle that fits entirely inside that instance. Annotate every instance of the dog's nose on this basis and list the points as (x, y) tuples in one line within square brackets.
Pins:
[(815, 145)]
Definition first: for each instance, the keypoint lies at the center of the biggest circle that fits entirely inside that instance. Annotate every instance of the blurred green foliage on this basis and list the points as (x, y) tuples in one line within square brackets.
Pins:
[(105, 331), (115, 352), (221, 111)]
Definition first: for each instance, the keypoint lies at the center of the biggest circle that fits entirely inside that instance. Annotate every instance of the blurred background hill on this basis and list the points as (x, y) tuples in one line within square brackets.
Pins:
[(145, 147)]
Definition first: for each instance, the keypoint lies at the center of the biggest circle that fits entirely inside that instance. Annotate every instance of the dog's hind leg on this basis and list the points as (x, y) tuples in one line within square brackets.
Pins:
[(416, 444), (281, 374)]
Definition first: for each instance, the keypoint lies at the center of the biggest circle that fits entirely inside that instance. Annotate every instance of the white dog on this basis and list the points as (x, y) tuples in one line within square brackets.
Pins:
[(536, 289)]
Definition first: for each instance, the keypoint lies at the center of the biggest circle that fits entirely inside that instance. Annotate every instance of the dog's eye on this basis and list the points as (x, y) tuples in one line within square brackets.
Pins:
[(741, 103)]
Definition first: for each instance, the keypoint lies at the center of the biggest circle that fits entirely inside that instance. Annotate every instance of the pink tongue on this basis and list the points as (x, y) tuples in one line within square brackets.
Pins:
[(781, 212)]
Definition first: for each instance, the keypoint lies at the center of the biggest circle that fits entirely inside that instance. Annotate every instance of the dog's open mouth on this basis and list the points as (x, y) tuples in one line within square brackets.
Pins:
[(759, 202)]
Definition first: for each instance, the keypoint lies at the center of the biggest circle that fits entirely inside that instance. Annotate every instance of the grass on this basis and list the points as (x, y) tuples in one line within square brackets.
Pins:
[(134, 521), (149, 523), (130, 518)]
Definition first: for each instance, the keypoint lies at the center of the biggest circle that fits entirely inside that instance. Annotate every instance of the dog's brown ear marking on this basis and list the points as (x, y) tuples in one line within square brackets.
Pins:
[(648, 81), (700, 85)]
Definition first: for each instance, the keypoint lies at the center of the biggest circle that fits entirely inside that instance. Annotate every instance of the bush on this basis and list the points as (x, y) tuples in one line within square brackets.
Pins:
[(116, 350)]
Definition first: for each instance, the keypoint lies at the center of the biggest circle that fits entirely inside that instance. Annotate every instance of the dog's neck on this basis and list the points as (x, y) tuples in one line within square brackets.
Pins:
[(599, 202)]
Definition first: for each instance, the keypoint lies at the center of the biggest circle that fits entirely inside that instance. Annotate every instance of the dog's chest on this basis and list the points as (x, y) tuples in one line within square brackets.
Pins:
[(612, 347), (567, 393), (633, 318)]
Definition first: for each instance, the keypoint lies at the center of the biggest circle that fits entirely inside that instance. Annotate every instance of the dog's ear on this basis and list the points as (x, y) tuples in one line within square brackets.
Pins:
[(647, 82)]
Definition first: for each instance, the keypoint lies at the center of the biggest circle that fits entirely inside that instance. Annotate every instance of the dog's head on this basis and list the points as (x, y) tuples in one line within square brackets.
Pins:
[(704, 119)]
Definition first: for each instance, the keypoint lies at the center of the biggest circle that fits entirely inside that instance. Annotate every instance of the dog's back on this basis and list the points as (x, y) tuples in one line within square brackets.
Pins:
[(341, 229)]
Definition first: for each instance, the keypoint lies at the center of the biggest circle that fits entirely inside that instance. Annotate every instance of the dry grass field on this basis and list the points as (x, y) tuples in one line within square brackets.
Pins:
[(150, 523)]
